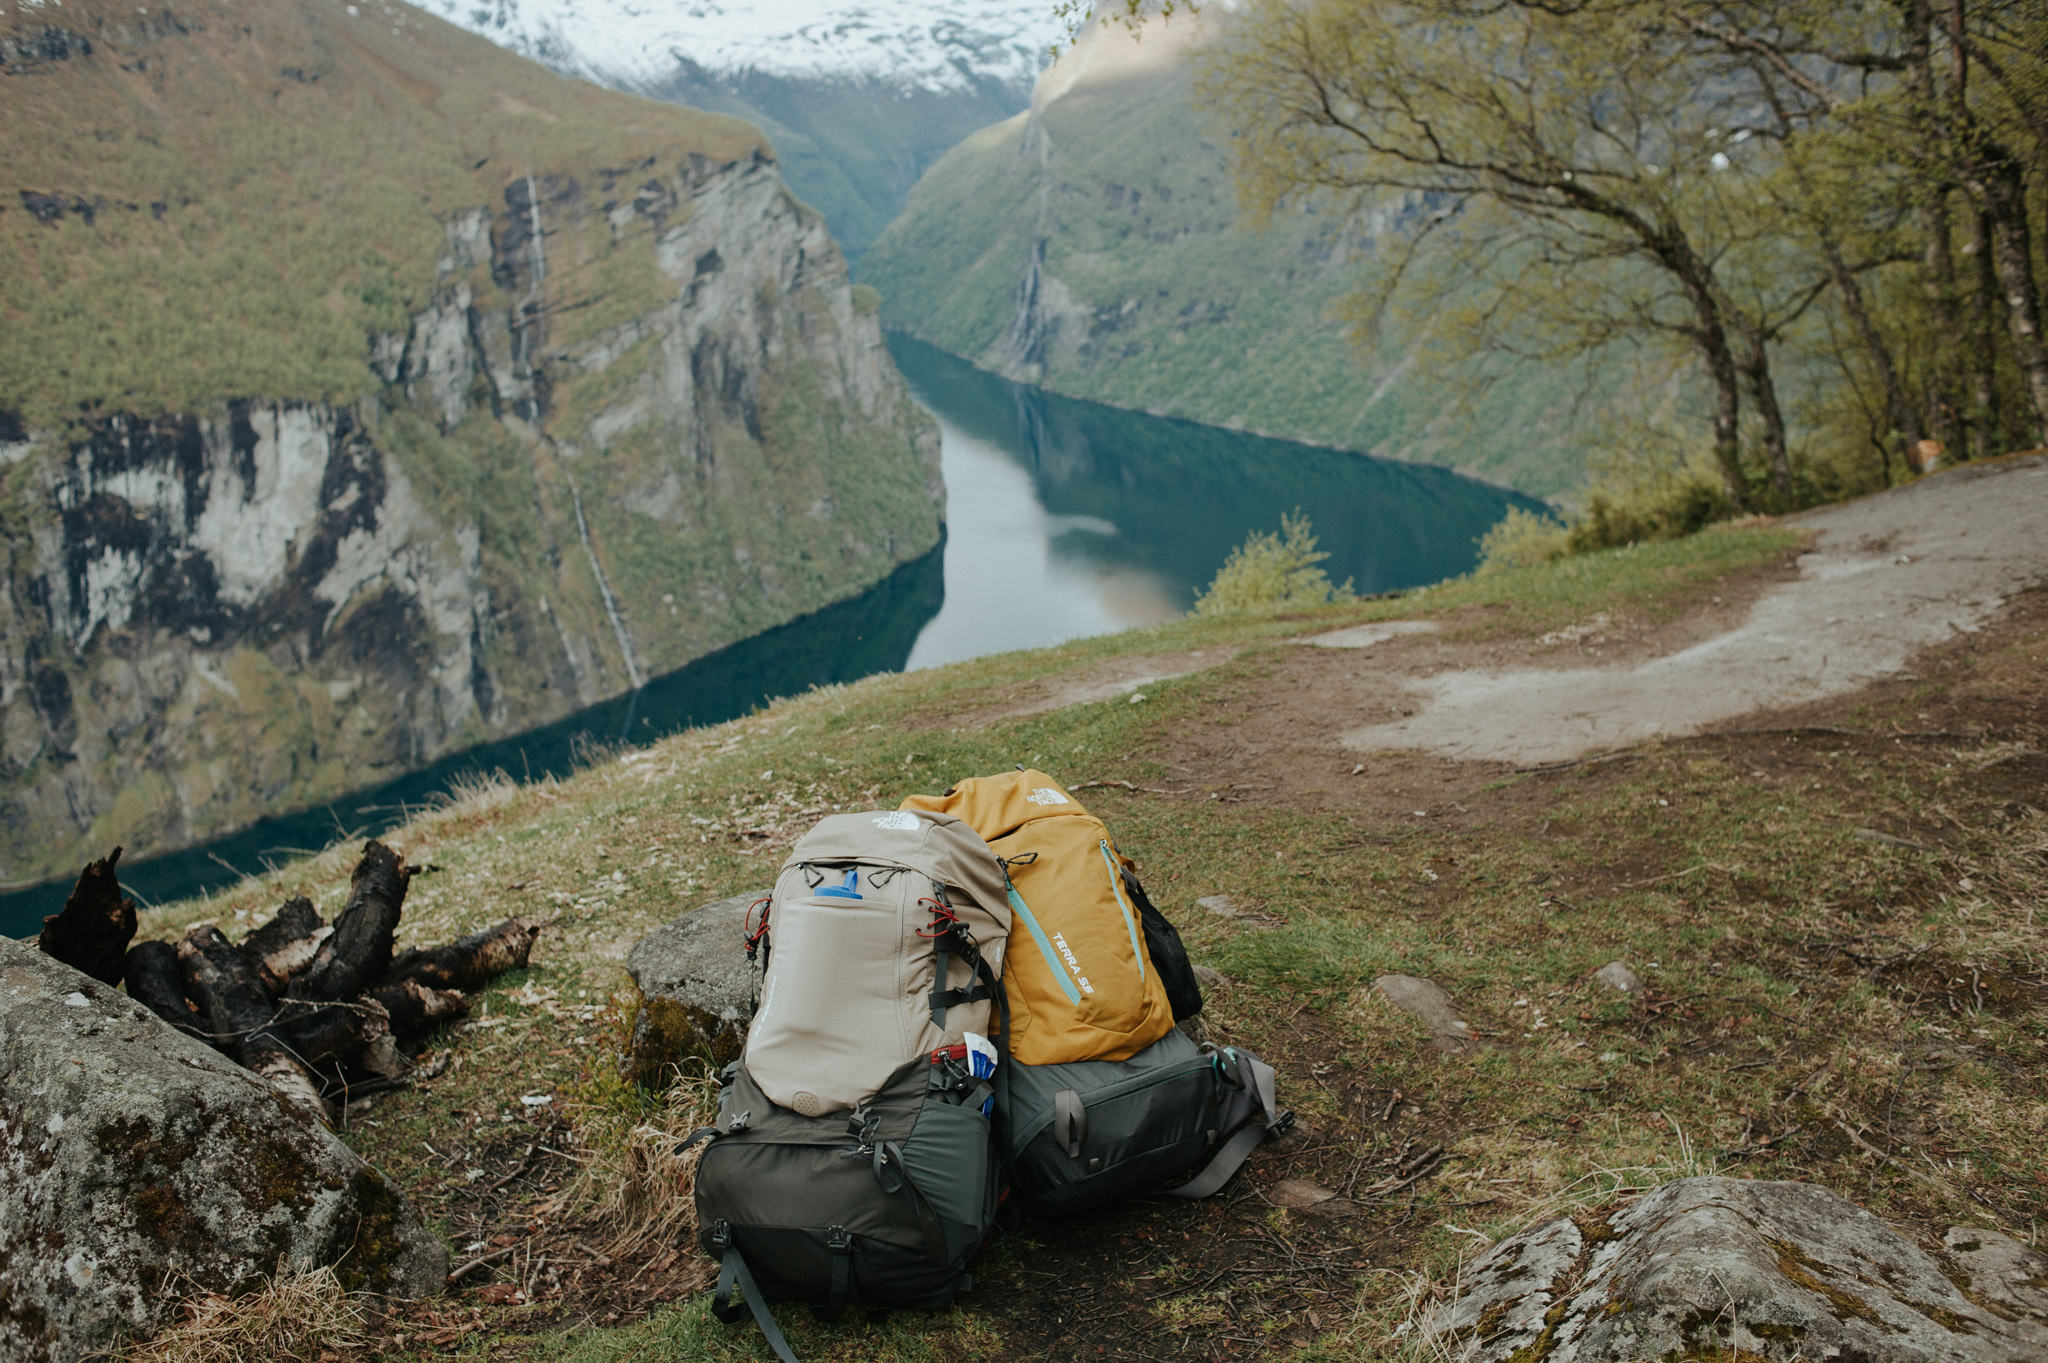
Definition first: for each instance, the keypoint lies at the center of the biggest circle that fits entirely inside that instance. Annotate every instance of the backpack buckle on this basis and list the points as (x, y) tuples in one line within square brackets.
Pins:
[(838, 1239), (721, 1235), (739, 1121)]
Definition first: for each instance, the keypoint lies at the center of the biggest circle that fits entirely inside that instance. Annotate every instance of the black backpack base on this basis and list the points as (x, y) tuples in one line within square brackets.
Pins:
[(883, 1206)]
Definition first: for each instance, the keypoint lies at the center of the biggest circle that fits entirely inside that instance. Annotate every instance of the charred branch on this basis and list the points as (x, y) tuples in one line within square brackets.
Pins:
[(93, 930), (285, 946), (359, 951), (415, 1009), (470, 963), (239, 1012), (155, 981)]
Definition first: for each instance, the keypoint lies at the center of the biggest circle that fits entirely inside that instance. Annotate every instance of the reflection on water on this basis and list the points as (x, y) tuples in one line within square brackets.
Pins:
[(1070, 518)]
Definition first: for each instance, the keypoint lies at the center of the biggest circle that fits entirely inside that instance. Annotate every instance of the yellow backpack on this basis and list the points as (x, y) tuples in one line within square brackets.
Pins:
[(1080, 983)]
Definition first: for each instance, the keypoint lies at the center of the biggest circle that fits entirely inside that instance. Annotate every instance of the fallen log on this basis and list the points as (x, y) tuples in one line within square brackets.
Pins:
[(154, 980), (341, 1044), (226, 987), (359, 950), (290, 1002), (468, 964), (414, 1009), (286, 945), (91, 933)]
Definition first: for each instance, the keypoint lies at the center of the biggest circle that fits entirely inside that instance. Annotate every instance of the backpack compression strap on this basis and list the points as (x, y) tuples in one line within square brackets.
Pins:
[(1270, 1119), (732, 1268)]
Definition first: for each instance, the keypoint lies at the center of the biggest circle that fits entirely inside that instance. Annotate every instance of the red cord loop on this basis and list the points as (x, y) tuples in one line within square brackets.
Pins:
[(944, 919), (756, 932)]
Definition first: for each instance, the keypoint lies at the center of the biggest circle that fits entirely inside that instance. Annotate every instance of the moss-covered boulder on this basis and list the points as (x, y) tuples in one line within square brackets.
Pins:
[(135, 1163), (1712, 1268), (697, 991)]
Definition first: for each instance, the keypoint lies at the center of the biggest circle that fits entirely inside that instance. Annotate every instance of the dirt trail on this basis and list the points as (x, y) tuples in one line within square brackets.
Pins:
[(1887, 576)]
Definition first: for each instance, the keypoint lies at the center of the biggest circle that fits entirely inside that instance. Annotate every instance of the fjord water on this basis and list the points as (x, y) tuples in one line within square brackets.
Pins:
[(1064, 519), (1068, 518)]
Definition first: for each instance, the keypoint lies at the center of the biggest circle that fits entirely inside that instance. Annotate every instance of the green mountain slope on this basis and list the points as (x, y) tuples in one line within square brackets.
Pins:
[(367, 391), (1093, 245), (850, 149)]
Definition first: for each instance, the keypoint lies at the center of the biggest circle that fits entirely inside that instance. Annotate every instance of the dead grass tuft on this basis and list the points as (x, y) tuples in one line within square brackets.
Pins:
[(299, 1314), (633, 1181)]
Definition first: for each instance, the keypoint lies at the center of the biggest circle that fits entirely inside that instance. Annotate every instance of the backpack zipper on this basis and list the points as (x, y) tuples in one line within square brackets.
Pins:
[(1116, 887), (1052, 960)]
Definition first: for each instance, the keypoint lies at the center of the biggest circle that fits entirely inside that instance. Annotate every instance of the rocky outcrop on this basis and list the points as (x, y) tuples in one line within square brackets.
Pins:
[(136, 1164), (1718, 1267), (638, 417), (697, 990)]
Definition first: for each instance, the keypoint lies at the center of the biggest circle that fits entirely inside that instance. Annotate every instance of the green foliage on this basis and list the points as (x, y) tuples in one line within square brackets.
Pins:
[(1522, 539), (1767, 203), (1681, 508), (1272, 572)]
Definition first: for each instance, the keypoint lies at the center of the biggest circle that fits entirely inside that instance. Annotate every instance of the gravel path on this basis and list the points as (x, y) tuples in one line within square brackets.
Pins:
[(1887, 576)]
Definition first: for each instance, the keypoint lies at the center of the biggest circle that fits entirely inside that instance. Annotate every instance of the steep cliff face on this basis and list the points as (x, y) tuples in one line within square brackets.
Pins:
[(620, 414)]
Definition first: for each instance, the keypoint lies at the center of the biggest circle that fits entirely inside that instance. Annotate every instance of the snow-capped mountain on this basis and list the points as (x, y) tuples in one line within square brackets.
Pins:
[(939, 45)]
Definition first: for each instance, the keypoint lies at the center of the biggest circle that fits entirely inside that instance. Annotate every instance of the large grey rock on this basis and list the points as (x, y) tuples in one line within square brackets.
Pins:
[(1713, 1267), (1429, 1001), (135, 1161), (696, 987)]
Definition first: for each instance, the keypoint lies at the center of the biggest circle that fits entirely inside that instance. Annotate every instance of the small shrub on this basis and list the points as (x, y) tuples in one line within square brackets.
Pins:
[(1270, 572), (1668, 510), (1522, 539), (867, 300)]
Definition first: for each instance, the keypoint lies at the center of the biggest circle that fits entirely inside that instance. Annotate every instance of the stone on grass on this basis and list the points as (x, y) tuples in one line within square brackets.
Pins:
[(1719, 1267), (1313, 1199), (1210, 978), (1620, 976), (136, 1163), (1428, 1001), (696, 991), (1221, 905)]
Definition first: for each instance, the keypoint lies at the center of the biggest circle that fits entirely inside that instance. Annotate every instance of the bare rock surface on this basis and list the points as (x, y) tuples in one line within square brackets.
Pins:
[(1619, 976), (1429, 1001), (1710, 1267), (135, 1161), (696, 989), (1365, 636)]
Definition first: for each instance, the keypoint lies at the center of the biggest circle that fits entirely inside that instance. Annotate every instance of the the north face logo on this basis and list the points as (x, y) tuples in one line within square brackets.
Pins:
[(900, 819), (1046, 795)]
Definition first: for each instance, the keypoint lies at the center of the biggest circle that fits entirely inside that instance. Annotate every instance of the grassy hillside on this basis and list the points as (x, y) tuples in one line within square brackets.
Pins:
[(237, 209), (1153, 291), (1817, 999)]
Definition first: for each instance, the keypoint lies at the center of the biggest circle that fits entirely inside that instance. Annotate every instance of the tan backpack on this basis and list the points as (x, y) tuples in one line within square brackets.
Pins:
[(868, 973), (1080, 982)]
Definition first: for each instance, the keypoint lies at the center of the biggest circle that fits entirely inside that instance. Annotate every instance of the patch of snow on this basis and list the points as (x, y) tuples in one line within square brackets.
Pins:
[(638, 44)]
